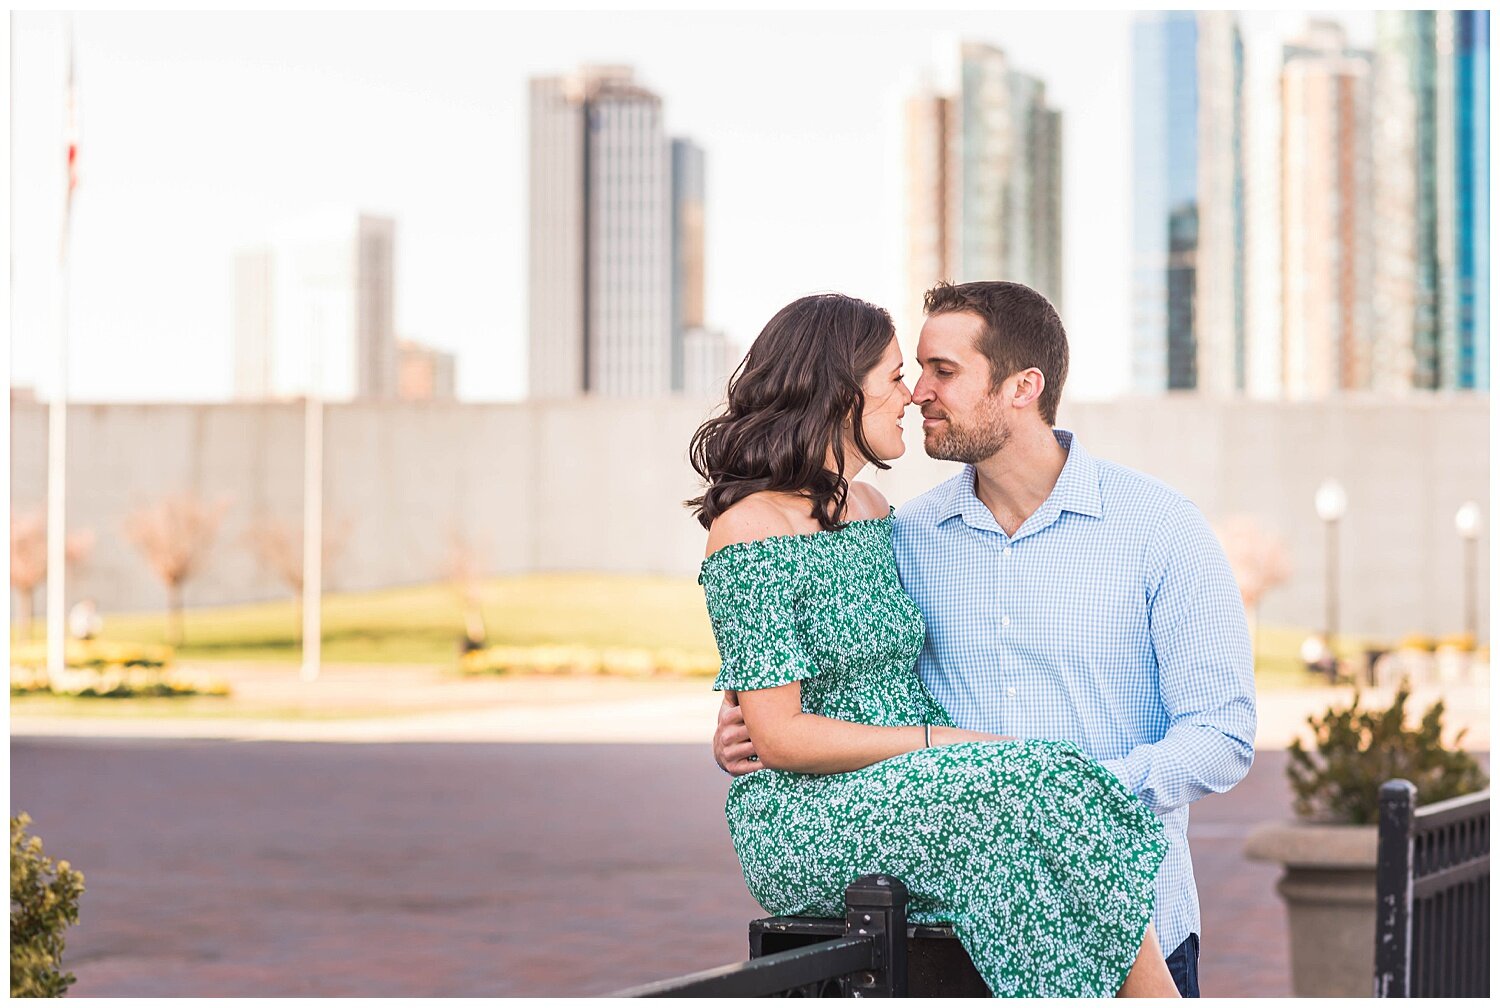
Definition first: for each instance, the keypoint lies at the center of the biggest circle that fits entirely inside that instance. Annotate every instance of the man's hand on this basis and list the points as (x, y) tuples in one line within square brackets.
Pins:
[(733, 750)]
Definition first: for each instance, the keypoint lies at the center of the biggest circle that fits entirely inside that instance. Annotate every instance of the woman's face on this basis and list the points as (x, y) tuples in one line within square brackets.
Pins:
[(886, 399)]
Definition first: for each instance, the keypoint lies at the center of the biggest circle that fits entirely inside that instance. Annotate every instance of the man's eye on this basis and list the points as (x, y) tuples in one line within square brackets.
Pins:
[(944, 374)]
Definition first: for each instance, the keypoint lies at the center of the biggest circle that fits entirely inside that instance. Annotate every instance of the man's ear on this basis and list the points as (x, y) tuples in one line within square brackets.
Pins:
[(1029, 385)]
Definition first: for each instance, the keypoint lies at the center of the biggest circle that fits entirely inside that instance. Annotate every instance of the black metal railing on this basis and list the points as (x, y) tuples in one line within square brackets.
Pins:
[(1432, 935), (869, 960)]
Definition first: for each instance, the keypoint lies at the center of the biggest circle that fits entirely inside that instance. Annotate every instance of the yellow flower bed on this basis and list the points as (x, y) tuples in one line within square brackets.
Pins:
[(93, 654), (104, 669), (562, 659), (1458, 642)]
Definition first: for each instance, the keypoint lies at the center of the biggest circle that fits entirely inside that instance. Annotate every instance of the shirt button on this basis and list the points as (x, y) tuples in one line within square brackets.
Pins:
[(1011, 691), (1005, 621), (1006, 551)]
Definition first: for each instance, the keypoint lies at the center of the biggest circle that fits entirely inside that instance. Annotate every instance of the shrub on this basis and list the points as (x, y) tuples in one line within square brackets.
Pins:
[(1358, 749), (43, 902)]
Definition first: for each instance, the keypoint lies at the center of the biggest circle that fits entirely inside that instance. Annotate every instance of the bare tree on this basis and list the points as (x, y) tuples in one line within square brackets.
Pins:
[(277, 545), (1259, 559), (175, 535), (463, 571), (28, 560)]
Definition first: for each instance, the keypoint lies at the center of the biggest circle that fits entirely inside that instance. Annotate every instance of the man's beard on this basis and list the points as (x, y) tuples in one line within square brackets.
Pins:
[(973, 443)]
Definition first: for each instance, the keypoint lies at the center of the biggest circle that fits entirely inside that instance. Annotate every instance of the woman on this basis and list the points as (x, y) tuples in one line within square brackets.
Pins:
[(1037, 855)]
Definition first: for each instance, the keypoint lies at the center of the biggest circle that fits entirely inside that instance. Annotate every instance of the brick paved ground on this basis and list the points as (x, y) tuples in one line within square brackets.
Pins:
[(275, 868)]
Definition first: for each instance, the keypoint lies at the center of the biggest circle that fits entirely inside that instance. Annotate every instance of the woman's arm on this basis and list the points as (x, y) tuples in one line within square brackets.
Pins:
[(787, 738)]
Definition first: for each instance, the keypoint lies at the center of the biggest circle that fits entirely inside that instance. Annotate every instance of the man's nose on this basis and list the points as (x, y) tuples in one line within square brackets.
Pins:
[(921, 393)]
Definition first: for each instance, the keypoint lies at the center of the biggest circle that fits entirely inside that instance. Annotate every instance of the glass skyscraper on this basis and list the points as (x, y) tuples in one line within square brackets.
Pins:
[(1327, 269), (984, 180), (1471, 190), (687, 252), (616, 241), (1432, 195), (1188, 222)]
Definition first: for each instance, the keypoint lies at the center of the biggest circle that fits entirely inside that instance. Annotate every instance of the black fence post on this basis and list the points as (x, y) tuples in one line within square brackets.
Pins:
[(876, 906), (1393, 887)]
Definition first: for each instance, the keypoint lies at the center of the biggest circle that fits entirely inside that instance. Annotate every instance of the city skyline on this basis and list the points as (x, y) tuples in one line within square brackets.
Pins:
[(983, 179), (1382, 195), (849, 243), (616, 243), (313, 310)]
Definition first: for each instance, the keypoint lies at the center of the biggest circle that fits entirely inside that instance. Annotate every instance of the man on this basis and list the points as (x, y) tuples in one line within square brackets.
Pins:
[(1065, 597)]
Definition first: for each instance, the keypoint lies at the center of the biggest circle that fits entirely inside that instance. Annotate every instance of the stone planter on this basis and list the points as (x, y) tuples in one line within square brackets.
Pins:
[(1329, 888)]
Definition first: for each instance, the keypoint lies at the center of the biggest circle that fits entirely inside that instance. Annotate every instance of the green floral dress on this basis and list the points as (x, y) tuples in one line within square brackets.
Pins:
[(1040, 858)]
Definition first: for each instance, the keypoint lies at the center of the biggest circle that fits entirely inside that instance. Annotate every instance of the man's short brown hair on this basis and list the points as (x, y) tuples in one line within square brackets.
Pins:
[(1021, 330)]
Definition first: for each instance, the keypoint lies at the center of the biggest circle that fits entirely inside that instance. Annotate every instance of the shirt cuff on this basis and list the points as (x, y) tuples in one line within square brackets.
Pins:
[(1119, 769)]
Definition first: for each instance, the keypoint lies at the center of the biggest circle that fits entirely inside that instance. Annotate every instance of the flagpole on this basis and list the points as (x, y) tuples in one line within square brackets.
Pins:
[(312, 506), (57, 416)]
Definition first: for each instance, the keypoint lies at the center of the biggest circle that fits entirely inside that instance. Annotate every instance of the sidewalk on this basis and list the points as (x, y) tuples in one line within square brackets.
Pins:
[(382, 703)]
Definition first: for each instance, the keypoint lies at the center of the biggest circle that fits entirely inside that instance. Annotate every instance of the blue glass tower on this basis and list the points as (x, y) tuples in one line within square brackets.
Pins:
[(1471, 258), (1164, 101), (1187, 226)]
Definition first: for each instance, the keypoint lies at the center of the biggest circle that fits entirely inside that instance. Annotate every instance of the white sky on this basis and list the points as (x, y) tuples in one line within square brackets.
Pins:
[(201, 131)]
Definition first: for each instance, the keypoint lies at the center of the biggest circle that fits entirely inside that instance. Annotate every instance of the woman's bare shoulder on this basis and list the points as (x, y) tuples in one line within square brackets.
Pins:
[(866, 502), (758, 516)]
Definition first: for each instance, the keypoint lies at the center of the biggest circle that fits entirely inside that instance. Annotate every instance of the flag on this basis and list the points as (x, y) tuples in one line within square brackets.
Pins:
[(71, 140)]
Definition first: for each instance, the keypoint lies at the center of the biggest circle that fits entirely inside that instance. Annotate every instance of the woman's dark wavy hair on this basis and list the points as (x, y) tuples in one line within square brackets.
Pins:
[(786, 408)]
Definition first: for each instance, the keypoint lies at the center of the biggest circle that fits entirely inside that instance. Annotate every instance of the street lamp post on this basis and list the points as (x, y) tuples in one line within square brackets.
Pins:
[(1331, 502), (1469, 521)]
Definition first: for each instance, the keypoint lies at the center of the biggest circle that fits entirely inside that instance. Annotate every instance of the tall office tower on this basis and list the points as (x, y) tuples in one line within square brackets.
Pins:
[(1469, 31), (1404, 121), (1327, 267), (601, 241), (1188, 222), (1432, 198), (984, 180), (687, 251), (314, 310)]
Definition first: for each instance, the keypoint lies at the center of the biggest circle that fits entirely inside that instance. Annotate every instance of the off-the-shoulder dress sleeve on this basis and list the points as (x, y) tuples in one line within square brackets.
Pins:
[(752, 594)]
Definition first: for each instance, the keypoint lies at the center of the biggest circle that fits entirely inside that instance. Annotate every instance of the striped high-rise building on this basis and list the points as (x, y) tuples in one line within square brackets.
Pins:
[(616, 239), (984, 179), (1431, 123), (1468, 32), (1327, 269), (601, 244)]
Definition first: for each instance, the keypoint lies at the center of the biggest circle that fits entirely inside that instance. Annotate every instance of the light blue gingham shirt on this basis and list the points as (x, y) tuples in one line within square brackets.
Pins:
[(1110, 619)]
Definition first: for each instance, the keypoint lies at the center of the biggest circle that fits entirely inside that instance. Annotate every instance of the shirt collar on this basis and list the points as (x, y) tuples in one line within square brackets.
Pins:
[(1076, 489)]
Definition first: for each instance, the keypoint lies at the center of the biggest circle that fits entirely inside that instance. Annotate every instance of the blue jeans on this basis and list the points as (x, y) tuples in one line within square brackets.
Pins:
[(1184, 966)]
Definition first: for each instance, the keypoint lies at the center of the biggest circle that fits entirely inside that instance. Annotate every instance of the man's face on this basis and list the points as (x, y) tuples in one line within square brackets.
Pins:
[(962, 419)]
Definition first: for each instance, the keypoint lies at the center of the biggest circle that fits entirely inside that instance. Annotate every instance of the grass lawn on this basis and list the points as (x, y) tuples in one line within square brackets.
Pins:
[(423, 624)]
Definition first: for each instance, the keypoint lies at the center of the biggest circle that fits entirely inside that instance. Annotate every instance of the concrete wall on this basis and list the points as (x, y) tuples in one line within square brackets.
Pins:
[(597, 485)]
